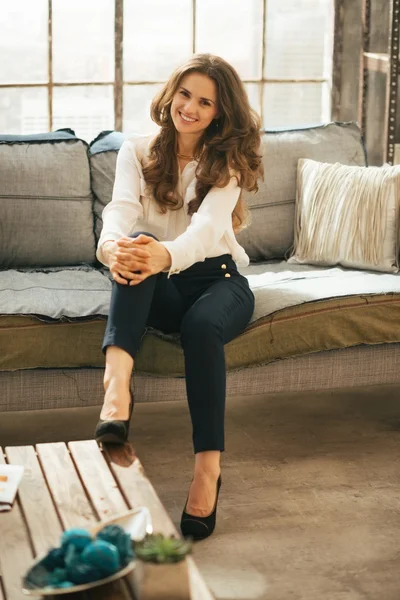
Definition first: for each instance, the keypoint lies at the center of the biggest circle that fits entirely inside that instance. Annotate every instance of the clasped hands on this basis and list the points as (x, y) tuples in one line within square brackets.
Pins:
[(134, 259)]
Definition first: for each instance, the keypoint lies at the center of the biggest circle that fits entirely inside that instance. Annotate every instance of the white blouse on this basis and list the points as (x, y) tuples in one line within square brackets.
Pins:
[(188, 238)]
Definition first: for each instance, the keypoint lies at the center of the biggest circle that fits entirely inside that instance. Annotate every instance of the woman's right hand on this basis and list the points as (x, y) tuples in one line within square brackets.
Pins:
[(117, 266)]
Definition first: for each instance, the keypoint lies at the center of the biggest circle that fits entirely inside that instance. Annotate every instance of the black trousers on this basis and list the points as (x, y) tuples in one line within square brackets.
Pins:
[(209, 304)]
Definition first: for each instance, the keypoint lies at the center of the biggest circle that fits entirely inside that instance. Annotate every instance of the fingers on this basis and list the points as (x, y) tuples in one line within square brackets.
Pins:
[(141, 239), (120, 275), (127, 273), (141, 252), (139, 278), (144, 239), (132, 253), (130, 265), (117, 277)]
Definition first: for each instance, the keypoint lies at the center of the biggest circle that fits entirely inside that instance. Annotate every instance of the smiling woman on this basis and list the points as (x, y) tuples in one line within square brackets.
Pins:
[(169, 239)]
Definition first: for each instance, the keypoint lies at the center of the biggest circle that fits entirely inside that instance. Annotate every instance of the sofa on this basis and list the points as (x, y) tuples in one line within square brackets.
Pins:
[(313, 327)]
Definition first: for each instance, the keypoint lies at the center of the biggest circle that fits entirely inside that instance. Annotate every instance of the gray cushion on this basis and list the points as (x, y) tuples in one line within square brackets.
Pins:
[(103, 158), (272, 208), (46, 216), (77, 292)]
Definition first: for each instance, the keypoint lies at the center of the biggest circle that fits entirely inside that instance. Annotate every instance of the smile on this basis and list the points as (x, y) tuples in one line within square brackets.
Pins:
[(186, 119)]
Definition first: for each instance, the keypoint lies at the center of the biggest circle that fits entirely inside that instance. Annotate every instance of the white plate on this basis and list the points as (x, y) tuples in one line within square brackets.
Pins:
[(136, 522)]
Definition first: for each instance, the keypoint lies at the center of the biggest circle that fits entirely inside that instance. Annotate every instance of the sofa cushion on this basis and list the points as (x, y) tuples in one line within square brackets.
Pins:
[(348, 216), (271, 230), (31, 342), (103, 152), (272, 209), (46, 215), (299, 309)]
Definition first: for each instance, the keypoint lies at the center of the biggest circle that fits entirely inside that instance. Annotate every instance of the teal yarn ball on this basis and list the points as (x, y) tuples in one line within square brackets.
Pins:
[(114, 534), (79, 538), (53, 559), (80, 573), (103, 556)]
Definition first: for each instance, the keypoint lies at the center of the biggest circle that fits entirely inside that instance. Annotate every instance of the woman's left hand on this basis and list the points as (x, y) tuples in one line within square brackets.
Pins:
[(126, 255)]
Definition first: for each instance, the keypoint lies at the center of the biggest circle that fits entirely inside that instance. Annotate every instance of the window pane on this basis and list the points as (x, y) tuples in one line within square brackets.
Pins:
[(291, 105), (299, 38), (157, 38), (137, 101), (253, 92), (24, 42), (23, 110), (86, 110), (83, 40), (234, 33)]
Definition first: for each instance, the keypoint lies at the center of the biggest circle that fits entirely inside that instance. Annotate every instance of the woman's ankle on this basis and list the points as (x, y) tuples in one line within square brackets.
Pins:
[(207, 464), (116, 380), (116, 401)]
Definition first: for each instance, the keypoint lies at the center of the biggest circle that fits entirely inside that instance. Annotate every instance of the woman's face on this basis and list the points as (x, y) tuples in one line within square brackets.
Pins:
[(195, 103)]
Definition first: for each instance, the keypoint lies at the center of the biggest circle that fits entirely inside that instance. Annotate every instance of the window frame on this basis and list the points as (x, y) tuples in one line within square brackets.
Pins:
[(118, 83)]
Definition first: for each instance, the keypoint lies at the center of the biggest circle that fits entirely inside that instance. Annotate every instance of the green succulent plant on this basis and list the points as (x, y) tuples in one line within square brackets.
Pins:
[(157, 548)]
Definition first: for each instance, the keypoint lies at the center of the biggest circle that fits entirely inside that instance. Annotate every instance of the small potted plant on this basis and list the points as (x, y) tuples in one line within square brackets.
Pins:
[(161, 572)]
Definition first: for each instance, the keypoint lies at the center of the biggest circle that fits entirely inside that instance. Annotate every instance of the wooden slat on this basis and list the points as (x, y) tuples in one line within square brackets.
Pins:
[(15, 550), (65, 486), (36, 502), (97, 479), (138, 491), (105, 496)]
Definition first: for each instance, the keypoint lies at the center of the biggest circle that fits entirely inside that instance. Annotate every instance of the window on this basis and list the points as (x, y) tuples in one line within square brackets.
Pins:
[(96, 64)]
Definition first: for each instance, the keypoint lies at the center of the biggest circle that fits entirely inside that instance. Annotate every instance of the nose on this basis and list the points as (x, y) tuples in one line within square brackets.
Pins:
[(189, 107)]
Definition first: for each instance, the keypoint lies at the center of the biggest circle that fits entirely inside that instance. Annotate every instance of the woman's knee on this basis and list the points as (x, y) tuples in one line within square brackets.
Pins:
[(137, 233), (195, 326)]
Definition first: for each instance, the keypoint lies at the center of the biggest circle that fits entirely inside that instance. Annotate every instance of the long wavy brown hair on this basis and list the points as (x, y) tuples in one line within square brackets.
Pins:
[(232, 141)]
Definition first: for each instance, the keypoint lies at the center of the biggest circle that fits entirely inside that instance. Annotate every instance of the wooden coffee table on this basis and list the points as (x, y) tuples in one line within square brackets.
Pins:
[(75, 485)]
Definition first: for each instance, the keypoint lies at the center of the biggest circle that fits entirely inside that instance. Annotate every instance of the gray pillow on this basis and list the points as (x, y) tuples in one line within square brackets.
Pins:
[(46, 216)]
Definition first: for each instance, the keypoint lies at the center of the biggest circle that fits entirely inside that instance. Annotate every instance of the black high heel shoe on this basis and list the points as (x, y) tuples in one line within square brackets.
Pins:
[(114, 432), (199, 528)]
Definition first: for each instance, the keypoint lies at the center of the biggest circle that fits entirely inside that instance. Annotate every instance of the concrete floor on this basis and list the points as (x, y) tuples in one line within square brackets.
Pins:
[(310, 500)]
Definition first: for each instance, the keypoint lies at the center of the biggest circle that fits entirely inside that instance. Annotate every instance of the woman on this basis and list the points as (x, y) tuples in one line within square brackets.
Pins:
[(168, 239)]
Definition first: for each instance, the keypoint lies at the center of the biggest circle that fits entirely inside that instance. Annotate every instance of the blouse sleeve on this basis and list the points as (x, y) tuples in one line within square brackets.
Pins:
[(206, 229), (125, 208)]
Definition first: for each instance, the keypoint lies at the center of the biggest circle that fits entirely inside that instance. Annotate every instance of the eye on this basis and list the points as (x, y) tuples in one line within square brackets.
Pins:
[(184, 93), (206, 103)]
